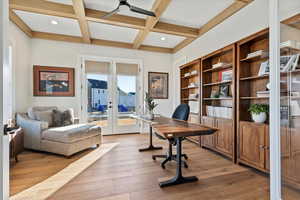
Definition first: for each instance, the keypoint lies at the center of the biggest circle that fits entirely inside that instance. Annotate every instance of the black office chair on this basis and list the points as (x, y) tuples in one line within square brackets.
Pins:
[(181, 113)]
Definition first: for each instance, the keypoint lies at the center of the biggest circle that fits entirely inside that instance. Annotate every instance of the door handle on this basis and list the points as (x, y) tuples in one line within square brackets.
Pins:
[(5, 129)]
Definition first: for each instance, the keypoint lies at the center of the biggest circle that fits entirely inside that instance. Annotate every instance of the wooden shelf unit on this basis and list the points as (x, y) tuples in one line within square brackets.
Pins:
[(186, 90), (252, 138), (224, 140)]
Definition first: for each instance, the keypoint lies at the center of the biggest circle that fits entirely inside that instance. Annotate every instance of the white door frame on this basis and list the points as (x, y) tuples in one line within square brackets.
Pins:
[(112, 60), (275, 158), (4, 142)]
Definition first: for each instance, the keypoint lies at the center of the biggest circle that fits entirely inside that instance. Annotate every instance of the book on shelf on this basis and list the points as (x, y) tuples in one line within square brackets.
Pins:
[(194, 106), (187, 74), (219, 64), (290, 44), (263, 93), (261, 53), (194, 72), (192, 85), (193, 96), (221, 112)]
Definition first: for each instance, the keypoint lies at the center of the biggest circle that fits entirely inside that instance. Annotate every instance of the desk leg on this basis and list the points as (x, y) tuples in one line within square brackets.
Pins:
[(178, 179), (151, 147)]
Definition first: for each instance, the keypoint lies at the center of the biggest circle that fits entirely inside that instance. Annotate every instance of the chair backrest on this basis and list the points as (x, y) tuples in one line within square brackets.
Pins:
[(182, 112)]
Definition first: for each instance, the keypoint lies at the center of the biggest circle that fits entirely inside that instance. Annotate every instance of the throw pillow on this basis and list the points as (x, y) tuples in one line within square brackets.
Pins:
[(67, 118), (45, 116), (58, 118)]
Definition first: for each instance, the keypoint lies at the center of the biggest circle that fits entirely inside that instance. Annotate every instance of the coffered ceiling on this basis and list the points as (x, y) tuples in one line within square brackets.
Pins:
[(177, 22)]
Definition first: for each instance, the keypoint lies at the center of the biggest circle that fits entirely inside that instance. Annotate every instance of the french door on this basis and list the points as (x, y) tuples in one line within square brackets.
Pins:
[(4, 66), (112, 94), (285, 99)]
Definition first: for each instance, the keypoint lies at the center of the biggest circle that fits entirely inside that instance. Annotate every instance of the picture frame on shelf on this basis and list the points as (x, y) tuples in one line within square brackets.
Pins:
[(225, 75), (264, 68), (286, 62), (296, 63), (224, 90)]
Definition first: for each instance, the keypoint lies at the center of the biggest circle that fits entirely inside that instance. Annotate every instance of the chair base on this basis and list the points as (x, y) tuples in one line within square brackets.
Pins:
[(169, 158)]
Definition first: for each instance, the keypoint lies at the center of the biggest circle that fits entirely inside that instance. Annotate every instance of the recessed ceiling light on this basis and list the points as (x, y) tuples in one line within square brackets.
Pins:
[(54, 22), (163, 38)]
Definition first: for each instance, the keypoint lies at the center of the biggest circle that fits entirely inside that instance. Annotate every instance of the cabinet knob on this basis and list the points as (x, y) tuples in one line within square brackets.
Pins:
[(261, 146)]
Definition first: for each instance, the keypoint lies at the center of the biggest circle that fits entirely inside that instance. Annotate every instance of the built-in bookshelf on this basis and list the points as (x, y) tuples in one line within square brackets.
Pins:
[(190, 91), (249, 77), (218, 99)]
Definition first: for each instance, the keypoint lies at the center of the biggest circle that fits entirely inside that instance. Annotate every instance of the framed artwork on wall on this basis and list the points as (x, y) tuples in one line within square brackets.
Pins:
[(158, 85), (53, 81)]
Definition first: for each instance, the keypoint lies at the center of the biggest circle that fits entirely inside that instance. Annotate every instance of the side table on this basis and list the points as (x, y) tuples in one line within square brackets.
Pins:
[(16, 142)]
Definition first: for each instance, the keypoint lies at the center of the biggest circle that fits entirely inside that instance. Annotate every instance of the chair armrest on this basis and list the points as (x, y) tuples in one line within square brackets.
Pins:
[(32, 131)]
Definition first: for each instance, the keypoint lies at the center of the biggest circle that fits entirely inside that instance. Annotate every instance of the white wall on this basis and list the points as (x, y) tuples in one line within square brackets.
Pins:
[(62, 54), (21, 60)]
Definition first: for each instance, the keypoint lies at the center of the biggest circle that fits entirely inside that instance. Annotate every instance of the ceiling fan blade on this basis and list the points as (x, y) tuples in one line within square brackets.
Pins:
[(141, 11), (111, 13)]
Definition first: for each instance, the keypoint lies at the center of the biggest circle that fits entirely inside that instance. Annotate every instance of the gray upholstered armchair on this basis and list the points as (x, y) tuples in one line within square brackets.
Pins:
[(40, 133)]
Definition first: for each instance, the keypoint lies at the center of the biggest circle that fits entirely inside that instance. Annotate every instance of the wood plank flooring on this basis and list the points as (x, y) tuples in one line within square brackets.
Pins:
[(126, 174)]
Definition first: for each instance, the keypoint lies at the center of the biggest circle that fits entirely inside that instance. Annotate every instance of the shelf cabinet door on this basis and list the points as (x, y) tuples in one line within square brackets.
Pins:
[(291, 165), (285, 148), (252, 144), (224, 137), (208, 140)]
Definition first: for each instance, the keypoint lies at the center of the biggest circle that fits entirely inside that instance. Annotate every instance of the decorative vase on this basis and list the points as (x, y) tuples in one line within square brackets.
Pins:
[(150, 115), (259, 118)]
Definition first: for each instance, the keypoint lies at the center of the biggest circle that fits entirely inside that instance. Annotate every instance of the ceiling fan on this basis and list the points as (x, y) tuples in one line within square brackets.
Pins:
[(132, 8)]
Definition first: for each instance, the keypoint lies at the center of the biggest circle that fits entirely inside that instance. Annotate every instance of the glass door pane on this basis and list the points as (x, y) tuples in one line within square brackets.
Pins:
[(126, 97), (99, 103), (290, 98)]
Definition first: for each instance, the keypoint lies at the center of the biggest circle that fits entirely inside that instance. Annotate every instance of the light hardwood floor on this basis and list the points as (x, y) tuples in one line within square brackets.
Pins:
[(126, 174)]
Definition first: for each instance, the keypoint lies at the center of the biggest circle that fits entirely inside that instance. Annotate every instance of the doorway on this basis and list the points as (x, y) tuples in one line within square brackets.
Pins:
[(111, 94)]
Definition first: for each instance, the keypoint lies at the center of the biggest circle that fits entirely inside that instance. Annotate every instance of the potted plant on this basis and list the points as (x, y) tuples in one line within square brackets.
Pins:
[(150, 104), (259, 112)]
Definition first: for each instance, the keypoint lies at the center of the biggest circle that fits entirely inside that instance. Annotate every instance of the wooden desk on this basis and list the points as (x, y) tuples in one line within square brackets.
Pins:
[(178, 130), (151, 123)]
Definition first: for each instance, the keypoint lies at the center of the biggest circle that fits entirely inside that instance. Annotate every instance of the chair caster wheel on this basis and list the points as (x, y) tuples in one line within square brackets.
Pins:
[(153, 158), (163, 166)]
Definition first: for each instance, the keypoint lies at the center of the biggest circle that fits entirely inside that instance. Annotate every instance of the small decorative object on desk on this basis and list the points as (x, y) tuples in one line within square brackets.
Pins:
[(259, 112), (150, 104)]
